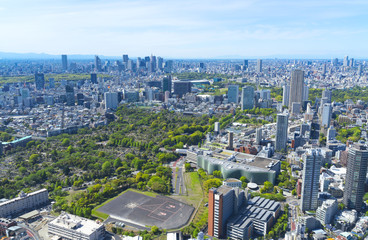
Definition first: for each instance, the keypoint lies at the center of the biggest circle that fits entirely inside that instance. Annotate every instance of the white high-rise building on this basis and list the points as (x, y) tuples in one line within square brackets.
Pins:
[(281, 132), (312, 160), (346, 61)]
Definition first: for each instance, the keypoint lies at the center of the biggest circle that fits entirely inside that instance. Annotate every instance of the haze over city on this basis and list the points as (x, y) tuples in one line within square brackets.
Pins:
[(186, 29)]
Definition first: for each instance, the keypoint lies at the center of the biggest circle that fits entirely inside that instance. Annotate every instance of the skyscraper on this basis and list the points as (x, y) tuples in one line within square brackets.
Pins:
[(259, 65), (247, 98), (245, 64), (327, 94), (40, 81), (98, 66), (70, 98), (233, 93), (312, 160), (93, 78), (125, 58), (64, 61), (258, 136), (346, 61), (326, 115), (296, 87), (167, 84), (355, 177), (281, 131), (285, 95), (111, 100)]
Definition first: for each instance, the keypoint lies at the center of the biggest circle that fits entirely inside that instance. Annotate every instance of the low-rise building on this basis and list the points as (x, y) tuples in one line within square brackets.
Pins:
[(70, 227)]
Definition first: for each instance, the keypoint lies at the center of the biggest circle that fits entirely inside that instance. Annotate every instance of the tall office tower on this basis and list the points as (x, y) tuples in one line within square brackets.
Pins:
[(222, 203), (169, 66), (335, 62), (327, 94), (70, 99), (233, 94), (324, 67), (167, 84), (245, 64), (98, 65), (305, 93), (40, 81), (326, 115), (131, 65), (351, 62), (51, 83), (201, 65), (296, 87), (312, 160), (355, 177), (285, 95), (125, 58), (111, 100), (346, 61), (152, 63), (281, 131), (64, 61), (93, 78), (160, 62), (259, 65), (247, 98), (360, 70), (258, 136)]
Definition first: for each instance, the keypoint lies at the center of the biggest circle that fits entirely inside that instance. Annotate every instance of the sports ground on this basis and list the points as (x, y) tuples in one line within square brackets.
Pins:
[(142, 210)]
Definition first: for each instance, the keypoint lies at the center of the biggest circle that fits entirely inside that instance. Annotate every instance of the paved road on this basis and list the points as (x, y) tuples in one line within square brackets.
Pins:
[(33, 233), (178, 176)]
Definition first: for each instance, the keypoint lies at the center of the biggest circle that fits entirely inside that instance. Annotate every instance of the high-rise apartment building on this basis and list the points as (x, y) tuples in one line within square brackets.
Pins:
[(296, 87), (93, 78), (233, 94), (327, 94), (64, 61), (355, 177), (40, 81), (281, 131), (312, 160), (285, 95), (247, 98)]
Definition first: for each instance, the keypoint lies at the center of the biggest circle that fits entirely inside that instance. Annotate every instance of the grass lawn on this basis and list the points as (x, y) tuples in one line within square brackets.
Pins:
[(104, 216), (72, 193)]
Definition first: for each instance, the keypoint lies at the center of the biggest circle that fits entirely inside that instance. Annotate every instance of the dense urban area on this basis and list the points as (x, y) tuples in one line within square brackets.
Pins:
[(151, 148)]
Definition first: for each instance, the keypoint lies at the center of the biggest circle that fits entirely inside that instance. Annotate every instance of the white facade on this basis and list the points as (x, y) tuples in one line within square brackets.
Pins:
[(327, 211), (326, 115), (72, 227), (285, 95), (23, 202), (232, 182)]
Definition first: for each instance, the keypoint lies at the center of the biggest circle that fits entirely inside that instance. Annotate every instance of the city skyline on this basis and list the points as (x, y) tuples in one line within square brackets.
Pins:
[(235, 29)]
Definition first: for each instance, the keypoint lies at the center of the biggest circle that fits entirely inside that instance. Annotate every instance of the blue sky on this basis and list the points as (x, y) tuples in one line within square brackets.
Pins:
[(186, 29)]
